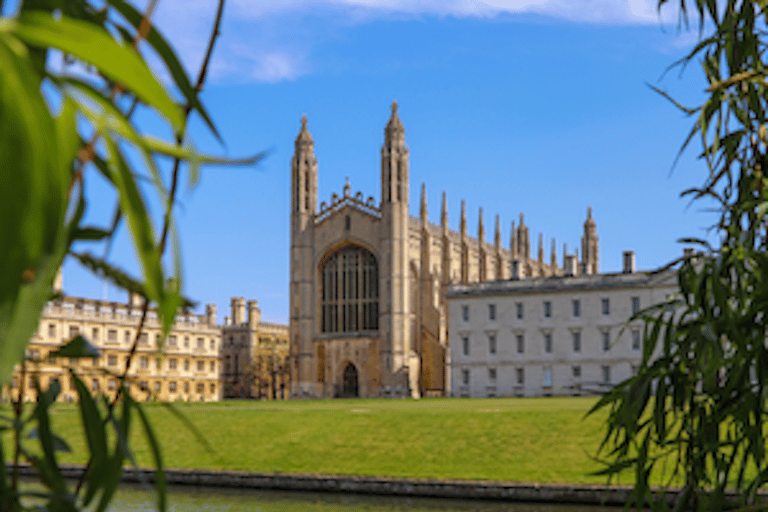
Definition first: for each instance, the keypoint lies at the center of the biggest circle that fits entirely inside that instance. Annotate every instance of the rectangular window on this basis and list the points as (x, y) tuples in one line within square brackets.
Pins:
[(143, 362), (548, 342), (465, 345), (144, 385), (465, 377), (186, 387), (607, 374), (95, 385), (172, 363), (520, 374), (213, 344), (51, 330), (606, 341), (172, 341), (112, 336), (73, 331), (520, 343), (576, 372), (546, 377), (492, 374), (576, 336), (576, 308), (606, 306), (186, 365), (95, 335), (201, 366), (111, 360), (200, 388), (547, 309), (143, 339), (519, 307), (465, 313), (200, 343), (491, 311), (127, 337), (213, 366), (635, 304), (491, 343), (186, 341), (172, 386), (213, 388), (158, 386), (635, 339)]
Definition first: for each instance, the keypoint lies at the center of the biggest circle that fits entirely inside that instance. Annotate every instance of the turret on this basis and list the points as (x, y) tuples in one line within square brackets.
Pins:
[(446, 264), (210, 314), (423, 209), (254, 314), (238, 310), (523, 243), (464, 244), (304, 170), (590, 251), (497, 244), (394, 161), (483, 270)]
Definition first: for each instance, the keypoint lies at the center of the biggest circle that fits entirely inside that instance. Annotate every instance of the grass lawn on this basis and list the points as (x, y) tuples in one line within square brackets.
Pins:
[(524, 439)]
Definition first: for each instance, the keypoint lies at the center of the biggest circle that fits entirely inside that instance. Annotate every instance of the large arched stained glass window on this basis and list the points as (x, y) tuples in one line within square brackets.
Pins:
[(350, 299)]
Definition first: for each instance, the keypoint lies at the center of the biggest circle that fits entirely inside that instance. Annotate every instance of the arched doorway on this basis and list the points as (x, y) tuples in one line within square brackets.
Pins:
[(349, 388)]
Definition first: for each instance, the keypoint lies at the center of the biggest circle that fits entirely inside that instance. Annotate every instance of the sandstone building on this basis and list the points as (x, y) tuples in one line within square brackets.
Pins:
[(199, 361), (368, 315)]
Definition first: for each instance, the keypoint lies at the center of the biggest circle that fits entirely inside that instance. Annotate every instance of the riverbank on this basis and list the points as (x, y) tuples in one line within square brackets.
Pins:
[(381, 486)]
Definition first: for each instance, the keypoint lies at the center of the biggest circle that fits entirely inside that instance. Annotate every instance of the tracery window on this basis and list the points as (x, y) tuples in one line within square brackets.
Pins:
[(350, 295)]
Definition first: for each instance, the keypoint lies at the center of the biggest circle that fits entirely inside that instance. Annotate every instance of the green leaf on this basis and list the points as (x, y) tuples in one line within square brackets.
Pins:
[(166, 53), (96, 46), (77, 347), (95, 436)]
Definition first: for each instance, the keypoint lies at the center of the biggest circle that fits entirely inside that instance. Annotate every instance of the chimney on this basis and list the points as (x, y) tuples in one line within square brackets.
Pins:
[(571, 265), (254, 314), (58, 282), (134, 300), (518, 270), (629, 262), (238, 310), (210, 314)]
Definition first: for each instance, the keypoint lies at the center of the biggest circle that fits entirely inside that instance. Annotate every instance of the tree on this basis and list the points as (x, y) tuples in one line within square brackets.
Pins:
[(695, 414), (59, 126)]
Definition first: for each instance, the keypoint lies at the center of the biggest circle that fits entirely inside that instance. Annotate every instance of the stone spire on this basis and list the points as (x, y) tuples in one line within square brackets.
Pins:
[(554, 256), (444, 215), (541, 248), (304, 174), (523, 242), (480, 229), (423, 209), (394, 133), (304, 137), (463, 225), (513, 241), (590, 250), (497, 234)]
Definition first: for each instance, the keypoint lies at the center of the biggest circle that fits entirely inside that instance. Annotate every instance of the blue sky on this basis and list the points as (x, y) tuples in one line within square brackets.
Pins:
[(531, 106)]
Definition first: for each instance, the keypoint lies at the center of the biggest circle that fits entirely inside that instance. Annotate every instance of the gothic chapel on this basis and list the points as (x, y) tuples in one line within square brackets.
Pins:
[(368, 280)]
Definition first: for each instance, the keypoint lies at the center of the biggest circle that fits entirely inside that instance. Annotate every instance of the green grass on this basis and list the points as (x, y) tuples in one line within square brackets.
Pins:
[(525, 440)]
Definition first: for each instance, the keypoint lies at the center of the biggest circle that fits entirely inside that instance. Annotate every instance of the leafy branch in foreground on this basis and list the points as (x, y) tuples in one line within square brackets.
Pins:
[(695, 414), (58, 127)]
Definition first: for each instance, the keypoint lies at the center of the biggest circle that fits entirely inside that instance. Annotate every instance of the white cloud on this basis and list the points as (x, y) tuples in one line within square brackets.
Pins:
[(265, 40)]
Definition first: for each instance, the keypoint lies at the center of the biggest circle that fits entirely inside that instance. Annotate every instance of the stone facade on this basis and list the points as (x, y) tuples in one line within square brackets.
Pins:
[(539, 336), (254, 354), (186, 369), (199, 360), (368, 315)]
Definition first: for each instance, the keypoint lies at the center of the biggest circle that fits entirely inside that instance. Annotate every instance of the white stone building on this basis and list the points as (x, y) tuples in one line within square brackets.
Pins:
[(557, 335)]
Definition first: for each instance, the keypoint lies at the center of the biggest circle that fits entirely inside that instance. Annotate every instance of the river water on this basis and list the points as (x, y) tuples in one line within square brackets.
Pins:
[(206, 499)]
